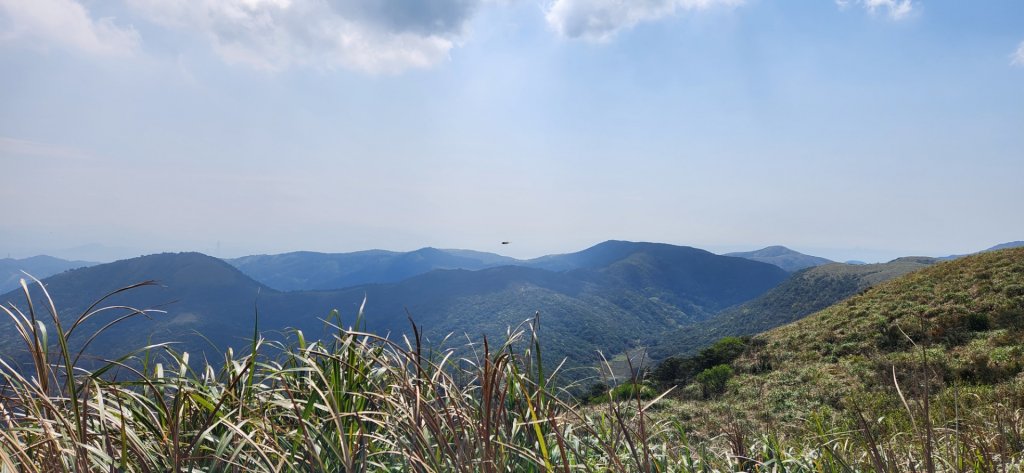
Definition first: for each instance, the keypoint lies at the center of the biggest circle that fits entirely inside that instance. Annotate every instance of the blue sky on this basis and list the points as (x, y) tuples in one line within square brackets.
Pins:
[(857, 129)]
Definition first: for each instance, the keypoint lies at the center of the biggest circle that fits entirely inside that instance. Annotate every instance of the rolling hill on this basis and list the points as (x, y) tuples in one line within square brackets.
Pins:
[(956, 327), (782, 257), (620, 294), (805, 292), (201, 294)]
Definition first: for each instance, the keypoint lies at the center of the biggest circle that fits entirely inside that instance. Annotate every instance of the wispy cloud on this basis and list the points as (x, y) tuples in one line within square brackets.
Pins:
[(376, 36), (895, 9), (67, 23), (16, 148), (1017, 58), (600, 20)]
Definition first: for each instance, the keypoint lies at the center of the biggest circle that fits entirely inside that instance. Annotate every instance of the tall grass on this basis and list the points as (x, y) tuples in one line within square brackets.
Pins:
[(357, 402)]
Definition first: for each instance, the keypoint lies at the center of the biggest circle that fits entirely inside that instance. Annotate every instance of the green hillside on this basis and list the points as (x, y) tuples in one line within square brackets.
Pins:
[(952, 333), (805, 292)]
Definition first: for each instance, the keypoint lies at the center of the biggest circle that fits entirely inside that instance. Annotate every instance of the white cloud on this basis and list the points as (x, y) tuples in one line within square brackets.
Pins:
[(896, 9), (1017, 58), (68, 23), (373, 36), (600, 20)]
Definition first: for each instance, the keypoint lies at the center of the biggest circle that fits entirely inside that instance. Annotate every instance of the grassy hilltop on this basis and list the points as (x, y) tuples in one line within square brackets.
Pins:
[(928, 365), (954, 324)]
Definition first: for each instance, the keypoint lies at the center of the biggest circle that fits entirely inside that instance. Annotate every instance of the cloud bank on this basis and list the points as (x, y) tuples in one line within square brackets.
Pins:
[(1017, 58), (369, 35), (600, 20), (375, 36), (895, 9), (68, 24)]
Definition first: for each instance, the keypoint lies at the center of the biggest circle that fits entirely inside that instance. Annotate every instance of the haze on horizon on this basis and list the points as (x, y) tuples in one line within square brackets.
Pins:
[(849, 129)]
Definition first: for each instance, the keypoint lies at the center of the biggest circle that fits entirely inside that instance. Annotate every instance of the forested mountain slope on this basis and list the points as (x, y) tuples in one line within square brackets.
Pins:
[(623, 298)]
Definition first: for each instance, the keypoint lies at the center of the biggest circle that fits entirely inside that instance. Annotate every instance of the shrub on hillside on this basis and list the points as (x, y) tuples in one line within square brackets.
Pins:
[(712, 380), (681, 370), (623, 391)]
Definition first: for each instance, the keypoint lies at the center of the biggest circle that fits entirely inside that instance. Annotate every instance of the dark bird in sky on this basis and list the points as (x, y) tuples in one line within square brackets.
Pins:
[(505, 242)]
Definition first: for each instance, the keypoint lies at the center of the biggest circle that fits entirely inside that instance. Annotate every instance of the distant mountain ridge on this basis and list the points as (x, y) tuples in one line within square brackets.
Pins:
[(305, 270), (611, 297), (782, 257), (325, 271), (1001, 246), (618, 295), (38, 266)]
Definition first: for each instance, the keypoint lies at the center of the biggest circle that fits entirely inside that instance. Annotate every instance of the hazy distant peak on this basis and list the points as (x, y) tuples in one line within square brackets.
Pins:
[(915, 259), (782, 257), (1003, 246), (607, 252), (774, 250), (40, 266), (184, 268), (624, 247), (44, 259), (429, 251), (768, 251), (322, 271), (482, 256)]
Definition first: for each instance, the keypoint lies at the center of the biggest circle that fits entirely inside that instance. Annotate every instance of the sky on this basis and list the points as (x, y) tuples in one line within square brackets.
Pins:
[(852, 129)]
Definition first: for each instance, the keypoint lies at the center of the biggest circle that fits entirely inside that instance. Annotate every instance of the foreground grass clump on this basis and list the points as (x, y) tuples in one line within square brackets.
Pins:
[(356, 402)]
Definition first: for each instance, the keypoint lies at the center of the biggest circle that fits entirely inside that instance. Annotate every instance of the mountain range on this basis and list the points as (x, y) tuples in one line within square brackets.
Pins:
[(305, 270), (608, 298), (611, 298)]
